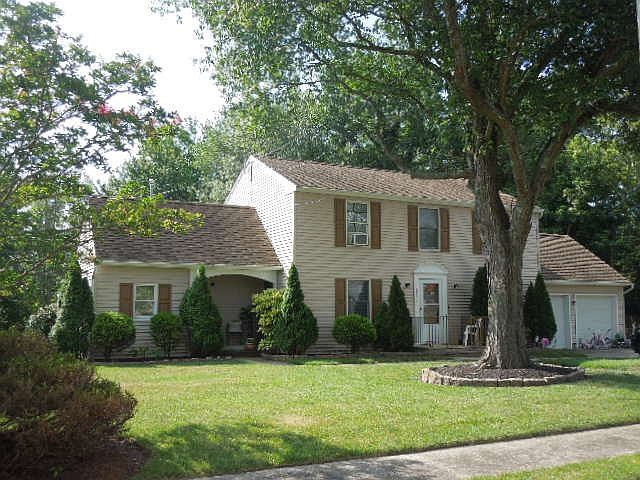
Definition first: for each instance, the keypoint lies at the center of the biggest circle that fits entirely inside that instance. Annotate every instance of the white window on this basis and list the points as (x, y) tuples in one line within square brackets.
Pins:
[(145, 300), (358, 297), (429, 220), (357, 223)]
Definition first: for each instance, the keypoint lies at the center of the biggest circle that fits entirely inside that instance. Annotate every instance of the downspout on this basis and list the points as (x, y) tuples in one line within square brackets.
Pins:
[(628, 289)]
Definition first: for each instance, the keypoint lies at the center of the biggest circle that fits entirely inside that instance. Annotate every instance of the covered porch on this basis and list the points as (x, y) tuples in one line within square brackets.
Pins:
[(232, 290)]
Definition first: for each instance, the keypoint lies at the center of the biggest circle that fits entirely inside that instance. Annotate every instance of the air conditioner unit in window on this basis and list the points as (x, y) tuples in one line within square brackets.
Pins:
[(360, 238)]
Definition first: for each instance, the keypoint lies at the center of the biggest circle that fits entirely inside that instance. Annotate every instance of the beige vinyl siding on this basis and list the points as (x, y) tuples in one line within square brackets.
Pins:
[(577, 289), (106, 291), (320, 262), (272, 196)]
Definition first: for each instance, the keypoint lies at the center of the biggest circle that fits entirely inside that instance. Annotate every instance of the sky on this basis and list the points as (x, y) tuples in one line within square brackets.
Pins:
[(110, 27)]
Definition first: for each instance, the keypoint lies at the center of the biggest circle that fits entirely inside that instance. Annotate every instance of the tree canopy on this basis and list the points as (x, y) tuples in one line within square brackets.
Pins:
[(58, 115)]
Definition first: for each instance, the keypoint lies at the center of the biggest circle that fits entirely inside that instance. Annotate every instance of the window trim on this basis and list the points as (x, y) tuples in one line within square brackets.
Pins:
[(346, 286), (156, 291), (346, 222), (433, 249)]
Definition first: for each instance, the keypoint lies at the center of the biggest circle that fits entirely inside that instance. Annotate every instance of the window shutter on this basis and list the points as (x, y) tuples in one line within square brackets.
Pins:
[(376, 297), (126, 299), (341, 297), (476, 241), (340, 216), (444, 229), (412, 223), (376, 233), (164, 297)]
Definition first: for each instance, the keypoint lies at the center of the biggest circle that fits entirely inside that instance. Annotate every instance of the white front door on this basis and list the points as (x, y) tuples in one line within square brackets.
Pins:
[(431, 310)]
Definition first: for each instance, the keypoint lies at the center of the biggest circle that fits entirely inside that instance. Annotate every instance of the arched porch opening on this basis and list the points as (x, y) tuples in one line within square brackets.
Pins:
[(232, 294)]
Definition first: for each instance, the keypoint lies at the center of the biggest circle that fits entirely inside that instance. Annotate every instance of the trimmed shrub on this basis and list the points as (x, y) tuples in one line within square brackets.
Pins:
[(354, 330), (635, 341), (201, 318), (267, 305), (297, 329), (480, 293), (538, 312), (400, 332), (55, 409), (112, 331), (166, 330), (73, 327), (43, 320), (382, 324)]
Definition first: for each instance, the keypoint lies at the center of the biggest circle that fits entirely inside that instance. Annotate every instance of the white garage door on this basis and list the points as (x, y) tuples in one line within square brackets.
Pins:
[(595, 314), (560, 304)]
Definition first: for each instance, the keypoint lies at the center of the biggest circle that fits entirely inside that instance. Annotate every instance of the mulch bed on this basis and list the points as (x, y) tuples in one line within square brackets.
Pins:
[(474, 375), (119, 460)]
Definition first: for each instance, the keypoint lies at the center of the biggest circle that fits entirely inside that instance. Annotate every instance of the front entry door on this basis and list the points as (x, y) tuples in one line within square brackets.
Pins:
[(432, 309)]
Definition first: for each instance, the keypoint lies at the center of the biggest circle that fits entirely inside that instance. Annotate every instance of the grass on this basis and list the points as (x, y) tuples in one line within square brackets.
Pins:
[(206, 418), (625, 467)]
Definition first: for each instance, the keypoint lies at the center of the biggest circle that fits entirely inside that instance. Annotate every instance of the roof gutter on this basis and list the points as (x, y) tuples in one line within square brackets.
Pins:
[(628, 289), (398, 198), (378, 196), (599, 283), (138, 263)]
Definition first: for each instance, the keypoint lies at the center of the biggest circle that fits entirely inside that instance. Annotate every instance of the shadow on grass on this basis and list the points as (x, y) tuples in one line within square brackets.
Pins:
[(196, 362), (195, 449), (609, 379)]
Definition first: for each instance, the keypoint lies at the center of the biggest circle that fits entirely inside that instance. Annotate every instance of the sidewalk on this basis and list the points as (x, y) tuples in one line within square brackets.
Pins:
[(468, 462)]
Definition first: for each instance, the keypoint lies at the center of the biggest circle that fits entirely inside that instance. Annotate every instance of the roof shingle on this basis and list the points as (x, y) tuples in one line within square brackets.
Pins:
[(231, 235), (344, 178), (563, 258)]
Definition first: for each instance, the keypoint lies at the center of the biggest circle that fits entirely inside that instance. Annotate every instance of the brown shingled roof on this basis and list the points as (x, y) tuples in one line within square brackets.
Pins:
[(231, 235), (562, 258), (344, 178)]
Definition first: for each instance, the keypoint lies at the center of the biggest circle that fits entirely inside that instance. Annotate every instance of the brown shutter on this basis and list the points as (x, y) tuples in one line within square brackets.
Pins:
[(376, 297), (376, 232), (412, 231), (476, 241), (126, 299), (341, 297), (339, 213), (164, 298), (444, 229)]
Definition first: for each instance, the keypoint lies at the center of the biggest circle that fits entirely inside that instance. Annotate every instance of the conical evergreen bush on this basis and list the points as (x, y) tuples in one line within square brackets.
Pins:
[(538, 312), (400, 329), (73, 327), (201, 318), (480, 293), (296, 329)]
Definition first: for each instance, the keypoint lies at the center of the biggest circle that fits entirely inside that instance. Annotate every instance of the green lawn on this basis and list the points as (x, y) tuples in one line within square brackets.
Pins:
[(626, 467), (229, 416)]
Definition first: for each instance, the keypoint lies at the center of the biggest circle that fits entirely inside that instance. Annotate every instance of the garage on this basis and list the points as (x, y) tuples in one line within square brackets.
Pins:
[(560, 304), (595, 315), (587, 294)]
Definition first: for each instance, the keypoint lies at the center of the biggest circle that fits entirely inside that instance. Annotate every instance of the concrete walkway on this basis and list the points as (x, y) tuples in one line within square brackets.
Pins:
[(468, 462)]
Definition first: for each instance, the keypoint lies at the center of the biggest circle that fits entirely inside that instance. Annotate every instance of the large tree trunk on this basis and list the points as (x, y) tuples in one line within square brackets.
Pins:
[(504, 239)]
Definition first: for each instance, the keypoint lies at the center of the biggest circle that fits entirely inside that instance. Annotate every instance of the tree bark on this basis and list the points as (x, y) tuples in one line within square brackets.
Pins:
[(504, 240)]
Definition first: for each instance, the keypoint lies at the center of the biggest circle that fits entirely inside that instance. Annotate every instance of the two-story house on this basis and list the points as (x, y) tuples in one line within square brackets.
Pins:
[(349, 231)]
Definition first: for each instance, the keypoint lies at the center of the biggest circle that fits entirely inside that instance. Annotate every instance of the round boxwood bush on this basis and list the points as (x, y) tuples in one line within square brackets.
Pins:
[(354, 330), (166, 330), (112, 331), (54, 409)]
